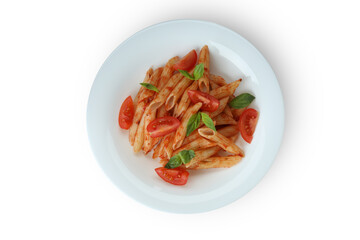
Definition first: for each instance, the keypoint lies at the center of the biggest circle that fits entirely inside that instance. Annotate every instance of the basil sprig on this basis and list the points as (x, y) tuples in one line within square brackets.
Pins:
[(241, 101), (182, 157), (207, 121), (194, 122), (149, 86), (198, 72)]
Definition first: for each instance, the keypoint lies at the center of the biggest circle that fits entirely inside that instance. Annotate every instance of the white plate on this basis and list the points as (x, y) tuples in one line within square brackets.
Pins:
[(232, 57)]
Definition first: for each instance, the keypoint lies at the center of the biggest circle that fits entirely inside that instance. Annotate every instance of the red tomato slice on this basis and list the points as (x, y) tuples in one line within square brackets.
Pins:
[(126, 113), (209, 102), (187, 62), (174, 176), (247, 124), (162, 126)]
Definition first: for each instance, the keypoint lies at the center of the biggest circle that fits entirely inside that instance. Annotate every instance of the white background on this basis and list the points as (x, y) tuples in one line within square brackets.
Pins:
[(51, 187)]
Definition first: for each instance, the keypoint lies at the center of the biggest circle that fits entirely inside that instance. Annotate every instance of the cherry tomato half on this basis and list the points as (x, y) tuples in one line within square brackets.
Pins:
[(162, 126), (174, 176), (209, 102), (187, 62), (247, 124), (126, 113)]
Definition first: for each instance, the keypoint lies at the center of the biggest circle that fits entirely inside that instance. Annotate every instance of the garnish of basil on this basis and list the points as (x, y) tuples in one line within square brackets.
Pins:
[(182, 157), (241, 101), (150, 87), (208, 121), (198, 72), (186, 74), (194, 122)]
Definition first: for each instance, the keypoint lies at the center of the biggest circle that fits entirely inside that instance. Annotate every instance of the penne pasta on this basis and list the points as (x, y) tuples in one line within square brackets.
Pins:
[(201, 155), (158, 149), (194, 135), (227, 110), (234, 137), (199, 143), (223, 103), (153, 143), (139, 111), (204, 58), (161, 112), (167, 72), (204, 84), (181, 131), (132, 132), (194, 164), (139, 137), (224, 119), (177, 92), (146, 80), (175, 109), (154, 80), (167, 149), (221, 141), (218, 162), (237, 112), (185, 101), (148, 140), (217, 79), (228, 131), (225, 90), (213, 85), (161, 97)]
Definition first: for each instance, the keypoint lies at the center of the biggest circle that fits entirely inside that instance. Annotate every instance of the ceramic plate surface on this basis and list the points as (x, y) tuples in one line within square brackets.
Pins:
[(232, 57)]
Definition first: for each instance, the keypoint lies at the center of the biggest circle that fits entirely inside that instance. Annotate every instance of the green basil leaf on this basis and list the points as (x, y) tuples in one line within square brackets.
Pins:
[(193, 123), (149, 86), (174, 162), (241, 101), (186, 74), (198, 71), (186, 155), (208, 121), (182, 157)]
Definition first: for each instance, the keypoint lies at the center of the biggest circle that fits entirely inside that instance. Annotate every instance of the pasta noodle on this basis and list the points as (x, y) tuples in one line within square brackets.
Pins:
[(139, 137), (154, 79), (148, 140), (218, 162), (221, 141), (226, 90), (177, 92), (181, 131), (185, 101), (197, 144), (201, 155), (164, 93), (218, 80), (167, 72), (204, 58), (224, 119)]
